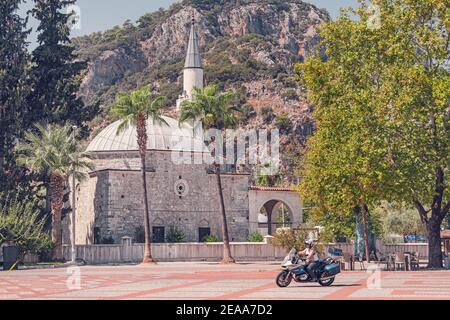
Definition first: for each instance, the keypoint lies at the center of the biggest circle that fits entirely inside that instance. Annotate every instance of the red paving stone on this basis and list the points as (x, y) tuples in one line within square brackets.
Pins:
[(214, 282)]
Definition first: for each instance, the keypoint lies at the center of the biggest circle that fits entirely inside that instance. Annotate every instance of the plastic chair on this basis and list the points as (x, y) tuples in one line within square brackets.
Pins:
[(361, 262), (398, 263), (415, 262)]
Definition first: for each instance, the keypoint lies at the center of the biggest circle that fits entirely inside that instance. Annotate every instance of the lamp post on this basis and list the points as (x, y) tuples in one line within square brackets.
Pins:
[(73, 249)]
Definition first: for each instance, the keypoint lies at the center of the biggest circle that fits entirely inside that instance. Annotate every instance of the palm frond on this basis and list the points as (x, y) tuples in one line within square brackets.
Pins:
[(212, 107), (129, 105), (125, 123), (53, 149)]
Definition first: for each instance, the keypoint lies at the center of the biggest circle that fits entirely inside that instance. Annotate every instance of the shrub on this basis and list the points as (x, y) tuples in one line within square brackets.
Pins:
[(289, 238), (267, 175), (46, 254), (175, 235), (267, 114), (108, 240), (211, 239), (248, 111), (287, 80), (256, 237), (289, 94), (281, 6), (283, 123), (21, 224)]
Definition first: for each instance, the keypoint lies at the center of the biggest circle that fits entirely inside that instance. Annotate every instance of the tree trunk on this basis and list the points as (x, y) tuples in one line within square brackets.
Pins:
[(141, 125), (227, 258), (2, 159), (433, 225), (2, 146), (73, 248), (366, 230), (48, 197), (439, 211), (434, 243), (57, 192), (46, 211), (148, 241)]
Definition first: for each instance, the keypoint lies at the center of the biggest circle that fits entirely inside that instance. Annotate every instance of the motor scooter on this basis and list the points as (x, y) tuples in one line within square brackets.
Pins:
[(294, 268)]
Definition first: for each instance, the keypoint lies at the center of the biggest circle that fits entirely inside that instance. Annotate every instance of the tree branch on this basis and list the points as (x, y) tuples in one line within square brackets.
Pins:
[(422, 212), (439, 190), (446, 209)]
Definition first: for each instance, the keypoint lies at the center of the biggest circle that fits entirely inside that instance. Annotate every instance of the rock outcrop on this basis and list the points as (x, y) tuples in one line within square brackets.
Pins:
[(249, 45)]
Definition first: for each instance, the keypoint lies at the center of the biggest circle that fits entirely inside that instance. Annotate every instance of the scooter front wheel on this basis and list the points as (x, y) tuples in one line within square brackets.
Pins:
[(284, 279)]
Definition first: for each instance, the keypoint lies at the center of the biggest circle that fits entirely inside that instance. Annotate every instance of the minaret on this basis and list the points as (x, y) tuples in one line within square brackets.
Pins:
[(193, 68)]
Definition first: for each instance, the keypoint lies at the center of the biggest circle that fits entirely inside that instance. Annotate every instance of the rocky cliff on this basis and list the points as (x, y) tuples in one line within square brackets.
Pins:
[(248, 45)]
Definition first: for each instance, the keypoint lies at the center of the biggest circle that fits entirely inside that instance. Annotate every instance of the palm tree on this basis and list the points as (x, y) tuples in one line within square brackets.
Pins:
[(53, 149), (136, 108), (216, 111), (265, 176)]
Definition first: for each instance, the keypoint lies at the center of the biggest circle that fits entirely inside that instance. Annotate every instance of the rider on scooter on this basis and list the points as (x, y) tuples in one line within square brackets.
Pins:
[(312, 258)]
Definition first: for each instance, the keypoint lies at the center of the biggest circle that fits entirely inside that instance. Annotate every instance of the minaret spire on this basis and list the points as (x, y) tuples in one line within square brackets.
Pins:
[(193, 66), (193, 58)]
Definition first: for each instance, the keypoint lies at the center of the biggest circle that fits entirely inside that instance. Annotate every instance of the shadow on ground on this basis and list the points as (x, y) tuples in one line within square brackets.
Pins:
[(334, 285)]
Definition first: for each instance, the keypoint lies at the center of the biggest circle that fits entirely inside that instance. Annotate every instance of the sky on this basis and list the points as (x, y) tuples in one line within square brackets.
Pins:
[(100, 15)]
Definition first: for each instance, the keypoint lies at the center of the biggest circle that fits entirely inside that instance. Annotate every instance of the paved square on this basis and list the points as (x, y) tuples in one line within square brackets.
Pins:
[(211, 281)]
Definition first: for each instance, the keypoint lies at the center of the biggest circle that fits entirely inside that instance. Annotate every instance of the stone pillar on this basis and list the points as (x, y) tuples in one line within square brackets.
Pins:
[(269, 206), (126, 249), (268, 239)]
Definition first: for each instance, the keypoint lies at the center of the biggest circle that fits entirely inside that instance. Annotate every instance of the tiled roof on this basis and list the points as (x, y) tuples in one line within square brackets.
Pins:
[(257, 188)]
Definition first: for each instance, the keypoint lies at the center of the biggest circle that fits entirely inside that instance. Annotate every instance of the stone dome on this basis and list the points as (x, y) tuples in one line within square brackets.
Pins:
[(170, 136)]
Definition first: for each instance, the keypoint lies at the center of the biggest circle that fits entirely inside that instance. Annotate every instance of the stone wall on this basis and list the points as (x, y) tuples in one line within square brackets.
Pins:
[(169, 252), (92, 200), (112, 200), (100, 254)]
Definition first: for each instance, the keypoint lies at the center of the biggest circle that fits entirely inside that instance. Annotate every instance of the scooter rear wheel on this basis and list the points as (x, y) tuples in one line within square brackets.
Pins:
[(284, 279)]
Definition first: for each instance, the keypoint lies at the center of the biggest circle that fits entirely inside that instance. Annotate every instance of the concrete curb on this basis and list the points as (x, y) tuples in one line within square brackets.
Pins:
[(50, 266)]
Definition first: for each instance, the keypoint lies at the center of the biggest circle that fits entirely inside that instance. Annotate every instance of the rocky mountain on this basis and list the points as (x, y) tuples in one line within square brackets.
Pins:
[(250, 46)]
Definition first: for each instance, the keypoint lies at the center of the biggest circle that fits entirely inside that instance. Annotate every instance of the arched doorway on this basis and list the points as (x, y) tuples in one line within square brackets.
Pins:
[(272, 208), (274, 214)]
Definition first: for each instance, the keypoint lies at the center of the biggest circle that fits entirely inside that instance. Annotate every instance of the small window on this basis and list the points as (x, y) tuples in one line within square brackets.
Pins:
[(203, 233), (97, 238), (158, 234), (139, 235)]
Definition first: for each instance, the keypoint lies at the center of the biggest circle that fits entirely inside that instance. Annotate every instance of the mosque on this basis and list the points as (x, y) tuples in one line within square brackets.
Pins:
[(181, 196)]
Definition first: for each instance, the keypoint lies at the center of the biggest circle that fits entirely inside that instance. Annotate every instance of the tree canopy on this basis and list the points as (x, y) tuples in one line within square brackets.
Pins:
[(13, 88), (381, 98), (56, 72)]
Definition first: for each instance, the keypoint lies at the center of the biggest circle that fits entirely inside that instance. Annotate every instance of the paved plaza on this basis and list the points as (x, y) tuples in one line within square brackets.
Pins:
[(203, 281)]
